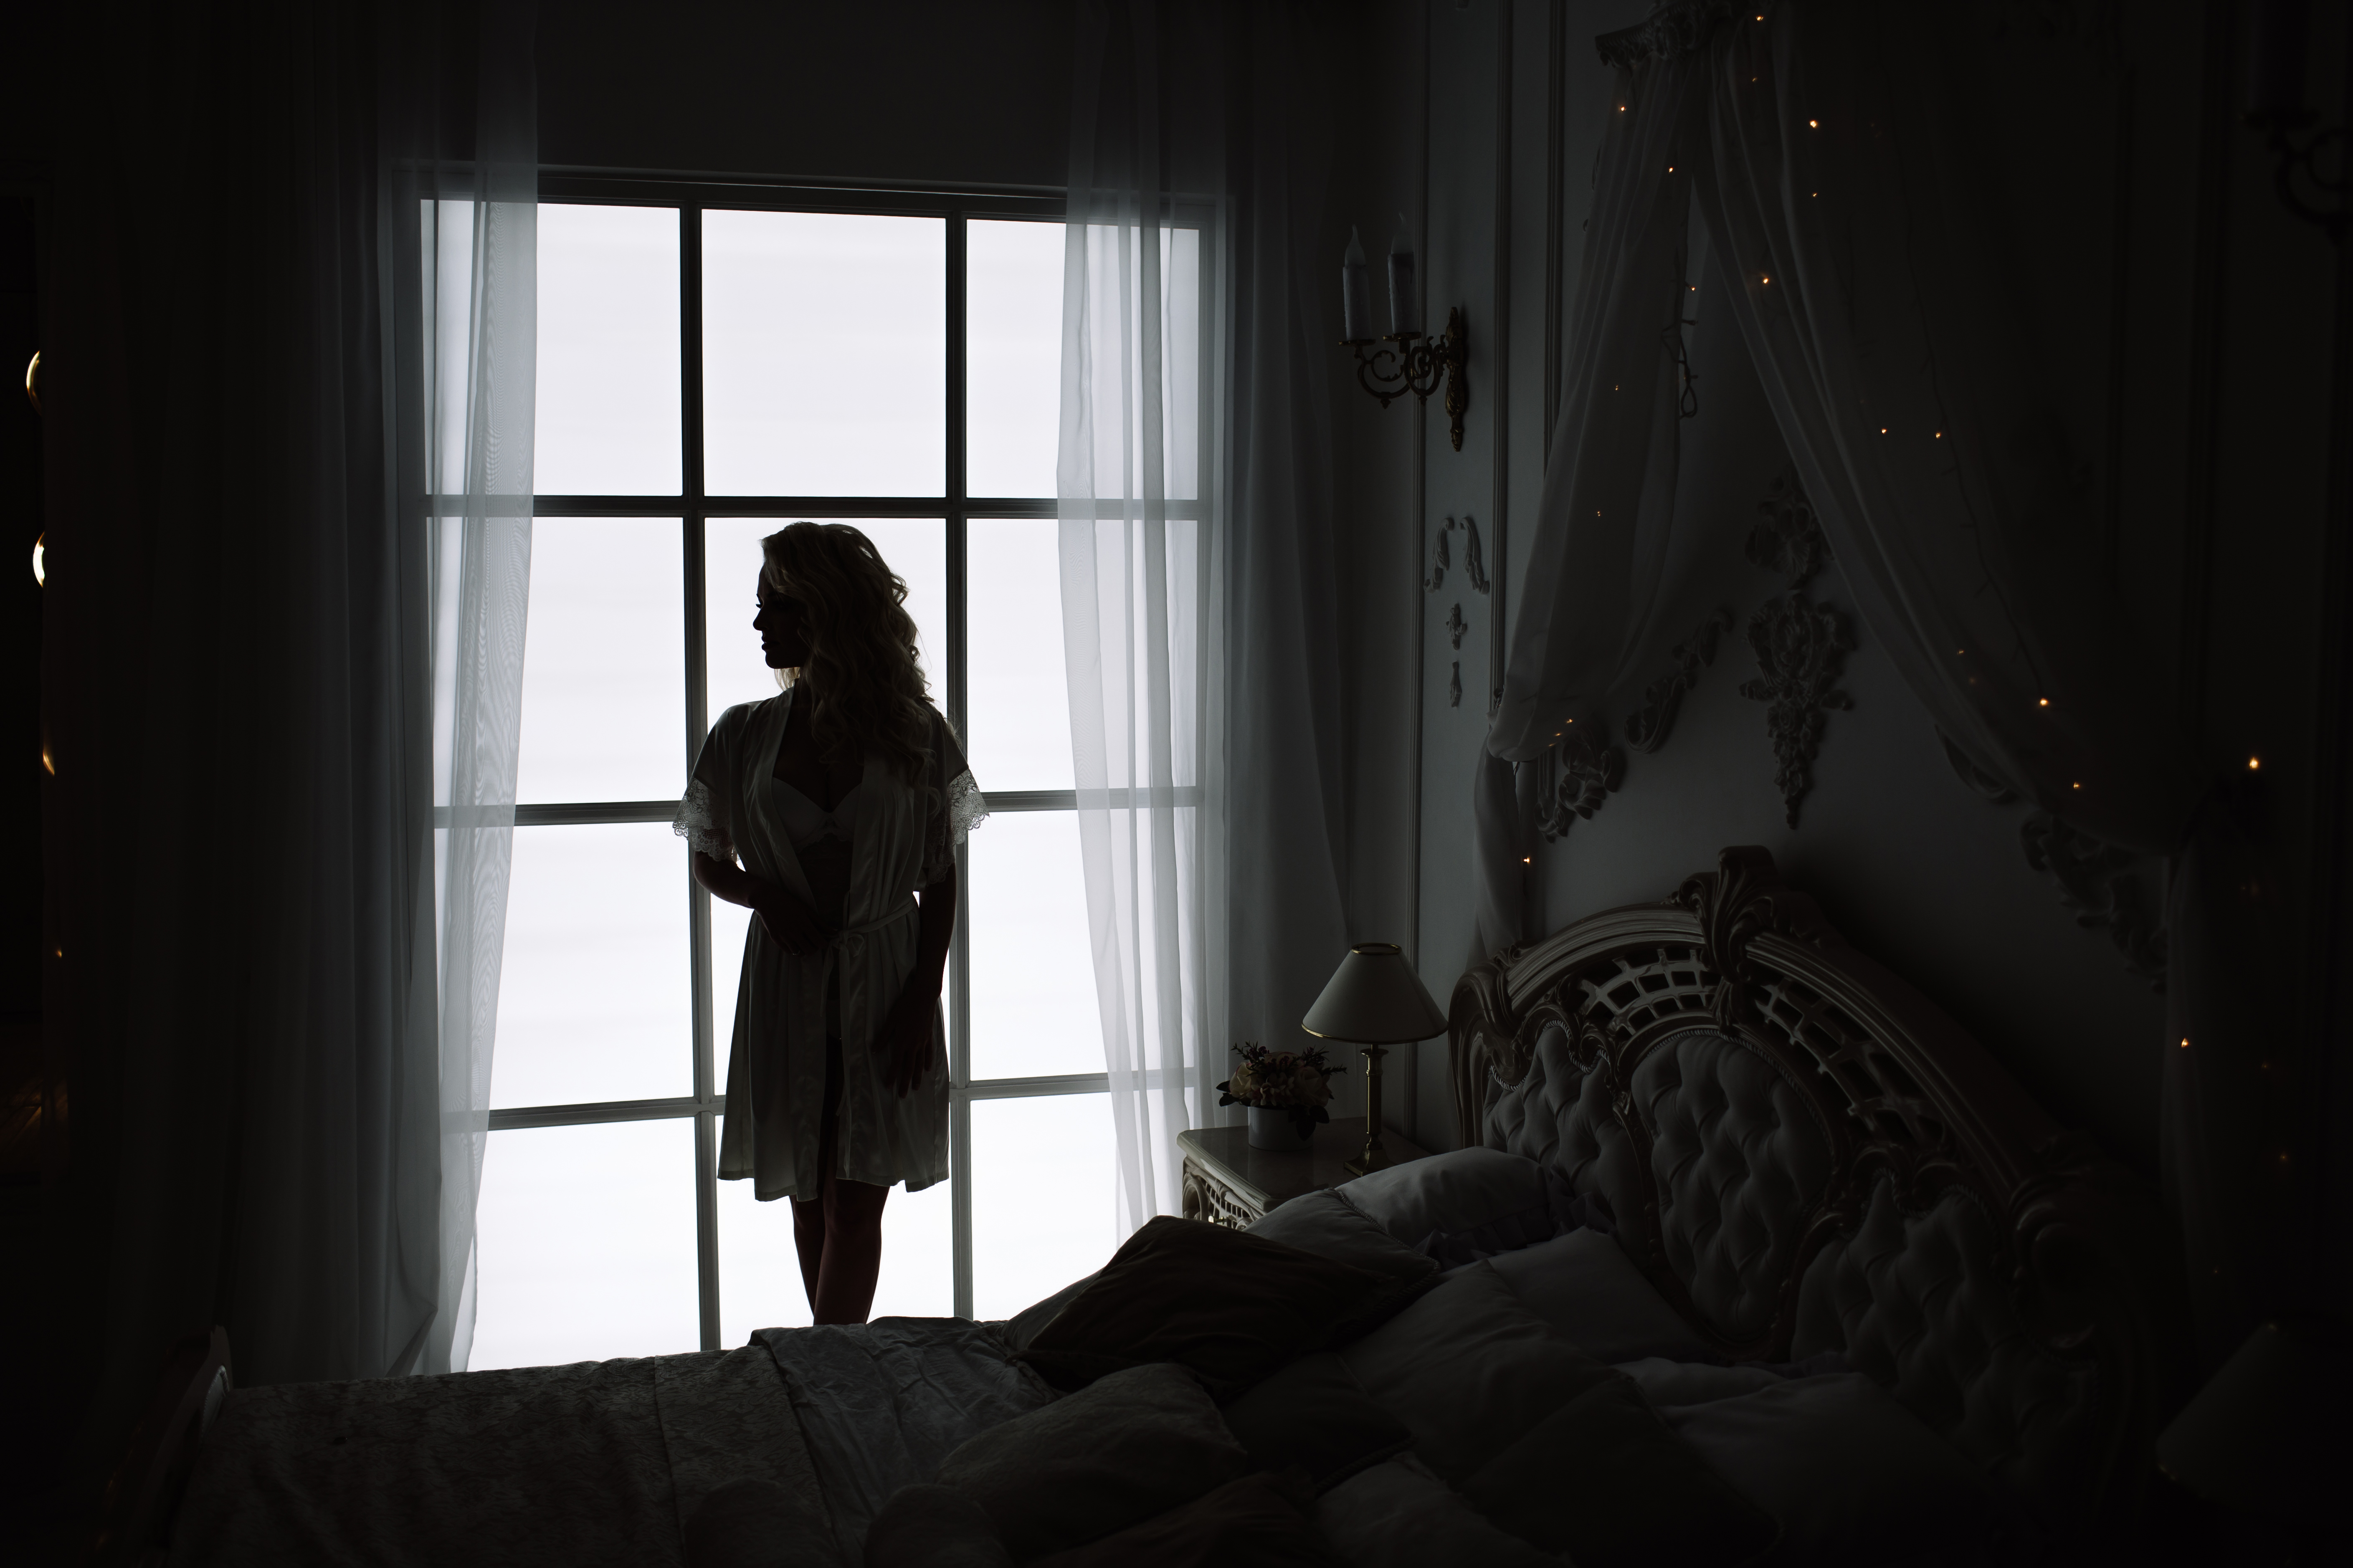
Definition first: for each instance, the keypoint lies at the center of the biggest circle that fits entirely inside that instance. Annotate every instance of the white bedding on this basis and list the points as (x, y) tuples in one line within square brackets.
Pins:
[(882, 1404)]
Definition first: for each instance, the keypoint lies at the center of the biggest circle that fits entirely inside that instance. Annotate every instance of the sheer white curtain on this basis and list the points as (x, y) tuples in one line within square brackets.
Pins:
[(1199, 568), (1139, 574), (477, 336)]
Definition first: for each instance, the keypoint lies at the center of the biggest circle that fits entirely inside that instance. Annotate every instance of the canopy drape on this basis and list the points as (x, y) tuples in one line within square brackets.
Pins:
[(1829, 147)]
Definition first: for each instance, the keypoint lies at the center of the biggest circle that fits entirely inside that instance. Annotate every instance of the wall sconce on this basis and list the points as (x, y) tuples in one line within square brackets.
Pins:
[(1417, 363), (2278, 37)]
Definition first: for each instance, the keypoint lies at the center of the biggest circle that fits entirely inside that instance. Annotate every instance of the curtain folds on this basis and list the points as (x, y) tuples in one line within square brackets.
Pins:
[(1198, 576), (239, 672), (1592, 578), (470, 433), (1137, 590)]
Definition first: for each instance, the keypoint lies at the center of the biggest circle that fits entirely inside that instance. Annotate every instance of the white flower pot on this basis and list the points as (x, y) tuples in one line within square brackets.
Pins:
[(1271, 1127)]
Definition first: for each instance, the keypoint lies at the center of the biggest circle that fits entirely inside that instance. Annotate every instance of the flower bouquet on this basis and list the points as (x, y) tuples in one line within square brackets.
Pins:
[(1285, 1090)]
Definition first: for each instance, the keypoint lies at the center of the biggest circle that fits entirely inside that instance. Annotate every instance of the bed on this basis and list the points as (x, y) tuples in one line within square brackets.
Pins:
[(1729, 1183)]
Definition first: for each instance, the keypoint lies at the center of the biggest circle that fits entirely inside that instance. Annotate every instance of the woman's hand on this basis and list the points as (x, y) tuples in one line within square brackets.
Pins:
[(906, 1041), (790, 923)]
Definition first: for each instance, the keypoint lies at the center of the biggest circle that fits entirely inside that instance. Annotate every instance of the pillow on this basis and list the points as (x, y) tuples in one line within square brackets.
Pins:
[(1312, 1416), (925, 1526), (1232, 1307), (1021, 1328), (1131, 1446), (1398, 1515), (1248, 1523), (1847, 1470), (1458, 1192), (1469, 1370), (1586, 1287), (1329, 1225), (1664, 1383), (1603, 1479)]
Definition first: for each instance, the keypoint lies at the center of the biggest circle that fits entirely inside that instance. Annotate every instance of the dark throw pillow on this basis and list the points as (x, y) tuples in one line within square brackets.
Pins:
[(1231, 1306), (932, 1526), (1313, 1416), (1249, 1524), (1603, 1479), (1133, 1445)]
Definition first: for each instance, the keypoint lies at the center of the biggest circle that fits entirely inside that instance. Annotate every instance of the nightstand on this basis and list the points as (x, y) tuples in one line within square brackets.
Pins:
[(1229, 1183)]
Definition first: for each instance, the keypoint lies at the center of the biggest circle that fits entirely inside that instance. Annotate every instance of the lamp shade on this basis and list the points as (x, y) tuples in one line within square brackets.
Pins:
[(1375, 998)]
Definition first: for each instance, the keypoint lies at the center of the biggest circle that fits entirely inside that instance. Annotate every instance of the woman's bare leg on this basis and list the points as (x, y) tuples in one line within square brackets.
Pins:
[(853, 1251), (808, 1240), (838, 1234)]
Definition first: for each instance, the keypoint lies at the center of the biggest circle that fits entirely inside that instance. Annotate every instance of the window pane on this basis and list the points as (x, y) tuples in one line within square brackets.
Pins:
[(824, 354), (915, 548), (1033, 979), (1051, 1153), (1013, 316), (603, 669), (609, 327), (593, 988), (586, 1241), (1017, 699), (760, 1275)]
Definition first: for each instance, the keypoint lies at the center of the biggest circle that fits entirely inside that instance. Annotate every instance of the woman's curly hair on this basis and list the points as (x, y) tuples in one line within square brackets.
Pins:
[(861, 660)]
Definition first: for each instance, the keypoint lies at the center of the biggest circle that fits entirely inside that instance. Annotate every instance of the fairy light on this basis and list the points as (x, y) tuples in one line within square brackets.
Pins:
[(2042, 702), (41, 561), (2185, 1042), (1814, 124), (2254, 762)]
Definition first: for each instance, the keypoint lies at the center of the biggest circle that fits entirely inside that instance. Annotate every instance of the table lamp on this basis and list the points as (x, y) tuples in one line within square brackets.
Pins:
[(1373, 1000)]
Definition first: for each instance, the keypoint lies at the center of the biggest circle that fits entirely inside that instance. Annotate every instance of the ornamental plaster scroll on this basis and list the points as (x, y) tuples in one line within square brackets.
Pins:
[(1647, 727), (1455, 626), (2103, 884), (1801, 650), (1474, 558), (1582, 770)]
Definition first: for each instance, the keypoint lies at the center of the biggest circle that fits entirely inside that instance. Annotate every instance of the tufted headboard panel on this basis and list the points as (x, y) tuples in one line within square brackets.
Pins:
[(1806, 1155)]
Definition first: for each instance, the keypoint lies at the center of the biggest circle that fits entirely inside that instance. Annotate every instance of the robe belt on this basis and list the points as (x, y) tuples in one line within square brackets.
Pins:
[(905, 907)]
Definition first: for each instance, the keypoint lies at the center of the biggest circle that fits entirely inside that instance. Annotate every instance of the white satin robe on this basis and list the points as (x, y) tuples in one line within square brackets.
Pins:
[(904, 838)]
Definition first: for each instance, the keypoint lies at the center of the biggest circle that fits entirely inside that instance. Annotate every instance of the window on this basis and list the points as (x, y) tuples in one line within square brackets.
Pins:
[(708, 373)]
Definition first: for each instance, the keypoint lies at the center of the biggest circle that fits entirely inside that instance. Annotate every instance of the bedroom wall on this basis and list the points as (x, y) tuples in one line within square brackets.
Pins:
[(973, 91), (2208, 429)]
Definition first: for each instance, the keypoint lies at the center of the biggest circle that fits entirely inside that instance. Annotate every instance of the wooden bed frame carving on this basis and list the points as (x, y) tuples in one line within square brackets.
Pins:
[(1900, 1093)]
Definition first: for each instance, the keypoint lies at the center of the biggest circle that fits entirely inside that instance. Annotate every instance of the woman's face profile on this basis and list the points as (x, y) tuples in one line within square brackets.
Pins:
[(784, 627)]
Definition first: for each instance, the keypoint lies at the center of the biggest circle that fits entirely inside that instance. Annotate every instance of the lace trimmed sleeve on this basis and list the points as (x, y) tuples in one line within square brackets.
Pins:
[(960, 806), (698, 823)]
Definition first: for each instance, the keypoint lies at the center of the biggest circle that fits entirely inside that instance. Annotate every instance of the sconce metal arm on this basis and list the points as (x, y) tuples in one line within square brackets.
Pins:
[(1390, 367)]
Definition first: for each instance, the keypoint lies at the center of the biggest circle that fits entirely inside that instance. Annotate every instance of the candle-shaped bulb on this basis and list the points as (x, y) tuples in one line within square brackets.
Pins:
[(1405, 295), (1355, 292)]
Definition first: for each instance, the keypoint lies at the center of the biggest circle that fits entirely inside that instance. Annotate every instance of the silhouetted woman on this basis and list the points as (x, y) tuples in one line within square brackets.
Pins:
[(833, 810)]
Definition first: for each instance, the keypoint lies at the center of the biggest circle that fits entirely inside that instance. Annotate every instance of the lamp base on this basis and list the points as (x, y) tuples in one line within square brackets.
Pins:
[(1375, 1157)]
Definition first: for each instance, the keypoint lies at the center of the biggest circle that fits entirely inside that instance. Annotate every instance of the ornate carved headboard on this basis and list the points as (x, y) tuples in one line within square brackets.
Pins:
[(1805, 1155)]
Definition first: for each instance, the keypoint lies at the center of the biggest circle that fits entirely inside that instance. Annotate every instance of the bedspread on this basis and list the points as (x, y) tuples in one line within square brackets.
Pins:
[(572, 1466), (882, 1404)]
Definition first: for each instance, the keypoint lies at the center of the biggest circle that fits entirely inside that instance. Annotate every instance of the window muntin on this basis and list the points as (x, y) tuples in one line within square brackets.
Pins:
[(641, 1100)]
